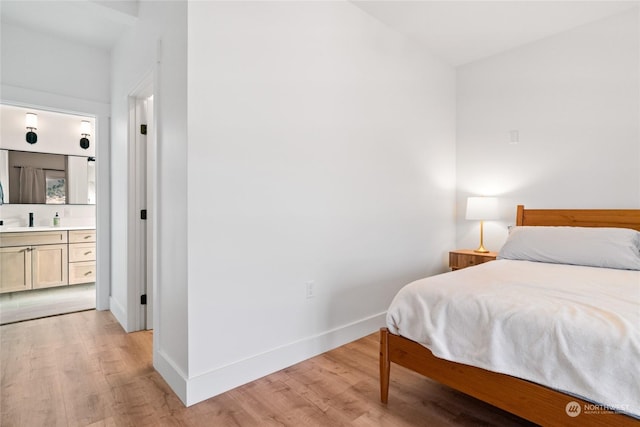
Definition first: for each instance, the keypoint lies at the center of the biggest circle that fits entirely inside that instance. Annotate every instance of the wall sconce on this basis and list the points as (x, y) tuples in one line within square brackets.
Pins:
[(85, 131), (482, 208), (31, 123)]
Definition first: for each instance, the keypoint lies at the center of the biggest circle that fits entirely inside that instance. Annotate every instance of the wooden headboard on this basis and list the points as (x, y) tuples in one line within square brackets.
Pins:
[(620, 218)]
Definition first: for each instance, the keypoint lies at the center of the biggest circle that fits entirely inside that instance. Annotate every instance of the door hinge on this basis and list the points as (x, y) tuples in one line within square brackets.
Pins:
[(143, 299), (143, 129), (143, 214)]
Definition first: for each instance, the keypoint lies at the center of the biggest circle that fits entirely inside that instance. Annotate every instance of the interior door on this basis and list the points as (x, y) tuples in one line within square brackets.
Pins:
[(144, 235), (141, 129)]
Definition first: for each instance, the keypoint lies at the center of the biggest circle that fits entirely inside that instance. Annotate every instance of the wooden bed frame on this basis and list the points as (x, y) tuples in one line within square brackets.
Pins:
[(528, 400)]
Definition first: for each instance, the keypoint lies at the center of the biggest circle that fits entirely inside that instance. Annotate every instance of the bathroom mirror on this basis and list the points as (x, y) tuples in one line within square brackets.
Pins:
[(42, 178)]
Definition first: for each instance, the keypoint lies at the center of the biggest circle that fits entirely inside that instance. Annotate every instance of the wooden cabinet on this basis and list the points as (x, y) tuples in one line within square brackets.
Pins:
[(33, 260), (43, 259), (82, 236), (49, 266), (82, 256), (82, 252), (30, 238), (82, 272), (15, 268), (462, 258)]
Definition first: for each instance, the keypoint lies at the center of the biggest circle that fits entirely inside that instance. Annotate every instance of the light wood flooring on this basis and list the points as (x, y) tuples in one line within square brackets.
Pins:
[(81, 369)]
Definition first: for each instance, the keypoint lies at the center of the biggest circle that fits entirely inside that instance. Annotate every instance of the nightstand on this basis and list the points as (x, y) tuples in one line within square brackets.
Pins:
[(462, 258)]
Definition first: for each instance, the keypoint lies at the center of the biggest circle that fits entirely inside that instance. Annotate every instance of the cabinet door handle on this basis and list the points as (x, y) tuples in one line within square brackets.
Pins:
[(87, 237), (88, 273), (87, 253)]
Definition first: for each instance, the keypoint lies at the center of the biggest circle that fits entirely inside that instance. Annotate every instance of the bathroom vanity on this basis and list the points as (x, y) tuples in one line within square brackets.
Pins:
[(43, 257)]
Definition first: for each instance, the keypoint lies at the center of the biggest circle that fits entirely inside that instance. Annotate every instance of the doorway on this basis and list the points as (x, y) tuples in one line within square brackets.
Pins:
[(48, 257)]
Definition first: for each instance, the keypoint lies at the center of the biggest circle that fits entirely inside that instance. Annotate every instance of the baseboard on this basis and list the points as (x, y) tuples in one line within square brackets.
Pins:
[(118, 312), (230, 376), (171, 374)]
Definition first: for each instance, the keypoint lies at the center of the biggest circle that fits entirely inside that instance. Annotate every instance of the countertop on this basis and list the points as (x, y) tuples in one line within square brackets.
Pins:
[(12, 229)]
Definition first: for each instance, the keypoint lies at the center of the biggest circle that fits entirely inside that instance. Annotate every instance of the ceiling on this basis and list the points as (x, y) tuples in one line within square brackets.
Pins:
[(464, 31), (457, 31), (91, 22)]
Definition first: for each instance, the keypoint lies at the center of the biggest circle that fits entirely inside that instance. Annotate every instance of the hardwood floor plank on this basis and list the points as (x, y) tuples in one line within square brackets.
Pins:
[(82, 369), (223, 410)]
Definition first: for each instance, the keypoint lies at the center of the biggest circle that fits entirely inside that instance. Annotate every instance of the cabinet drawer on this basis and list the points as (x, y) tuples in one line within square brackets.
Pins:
[(82, 272), (82, 252), (33, 238), (462, 261), (82, 236), (467, 258)]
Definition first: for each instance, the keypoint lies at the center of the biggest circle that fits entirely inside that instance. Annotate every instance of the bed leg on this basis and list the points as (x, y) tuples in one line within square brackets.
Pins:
[(385, 365)]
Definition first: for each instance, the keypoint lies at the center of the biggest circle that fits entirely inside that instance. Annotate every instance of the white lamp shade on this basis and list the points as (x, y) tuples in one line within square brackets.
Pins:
[(85, 127), (31, 121), (482, 208)]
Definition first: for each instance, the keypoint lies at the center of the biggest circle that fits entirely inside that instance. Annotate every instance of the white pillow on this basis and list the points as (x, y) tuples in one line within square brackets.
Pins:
[(592, 246)]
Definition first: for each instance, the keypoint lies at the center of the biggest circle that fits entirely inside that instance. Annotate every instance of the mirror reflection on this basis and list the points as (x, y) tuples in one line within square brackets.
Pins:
[(42, 178)]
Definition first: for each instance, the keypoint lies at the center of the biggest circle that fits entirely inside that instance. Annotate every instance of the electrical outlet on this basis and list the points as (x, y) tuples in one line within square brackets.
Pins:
[(311, 291), (514, 137)]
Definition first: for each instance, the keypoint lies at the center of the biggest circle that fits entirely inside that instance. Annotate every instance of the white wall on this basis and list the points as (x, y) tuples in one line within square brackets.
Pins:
[(321, 148), (574, 98), (157, 47), (45, 63), (16, 215), (58, 133), (44, 72)]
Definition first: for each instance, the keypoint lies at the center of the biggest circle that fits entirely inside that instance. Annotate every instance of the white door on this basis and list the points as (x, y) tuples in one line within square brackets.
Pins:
[(151, 215), (143, 153)]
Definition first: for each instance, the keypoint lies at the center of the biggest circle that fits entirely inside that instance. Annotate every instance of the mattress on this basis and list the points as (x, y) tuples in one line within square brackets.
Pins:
[(572, 328)]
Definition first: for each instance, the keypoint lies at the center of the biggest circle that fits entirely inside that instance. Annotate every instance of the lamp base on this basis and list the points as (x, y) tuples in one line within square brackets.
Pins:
[(481, 250)]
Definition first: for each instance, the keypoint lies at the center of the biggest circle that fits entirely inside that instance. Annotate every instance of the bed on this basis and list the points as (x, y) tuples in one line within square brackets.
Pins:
[(544, 405)]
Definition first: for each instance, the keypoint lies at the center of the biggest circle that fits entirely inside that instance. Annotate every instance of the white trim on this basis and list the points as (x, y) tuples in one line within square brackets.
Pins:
[(47, 101), (118, 312), (103, 213), (133, 287), (169, 370), (246, 370), (155, 201), (151, 230)]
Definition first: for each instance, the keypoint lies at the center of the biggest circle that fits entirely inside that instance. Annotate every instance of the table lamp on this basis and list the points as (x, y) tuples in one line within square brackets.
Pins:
[(482, 208)]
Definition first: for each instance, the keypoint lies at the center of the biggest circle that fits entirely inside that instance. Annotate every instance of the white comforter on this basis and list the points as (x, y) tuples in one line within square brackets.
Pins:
[(571, 328)]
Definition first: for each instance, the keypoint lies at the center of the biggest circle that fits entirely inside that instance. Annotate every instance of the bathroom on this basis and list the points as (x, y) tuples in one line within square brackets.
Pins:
[(47, 213)]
